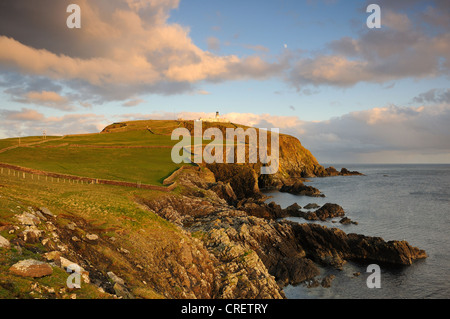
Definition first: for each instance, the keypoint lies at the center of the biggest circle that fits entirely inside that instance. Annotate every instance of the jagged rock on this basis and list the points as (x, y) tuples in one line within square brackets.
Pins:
[(313, 283), (333, 246), (4, 243), (298, 188), (346, 172), (331, 171), (326, 281), (31, 268), (28, 219), (242, 179), (225, 191), (294, 208), (329, 211), (31, 234), (295, 270), (347, 221), (312, 206)]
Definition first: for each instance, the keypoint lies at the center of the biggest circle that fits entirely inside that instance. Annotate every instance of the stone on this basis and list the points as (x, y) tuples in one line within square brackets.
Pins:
[(53, 256), (122, 292), (46, 211), (4, 243), (71, 226), (31, 235), (311, 206), (298, 188), (115, 278), (28, 219), (329, 211), (347, 221), (91, 237), (31, 268), (326, 281)]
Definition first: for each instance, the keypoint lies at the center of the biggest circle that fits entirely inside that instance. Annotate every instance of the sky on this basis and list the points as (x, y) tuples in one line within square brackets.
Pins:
[(311, 68)]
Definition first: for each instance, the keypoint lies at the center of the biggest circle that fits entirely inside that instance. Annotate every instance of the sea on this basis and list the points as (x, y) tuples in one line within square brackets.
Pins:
[(396, 202)]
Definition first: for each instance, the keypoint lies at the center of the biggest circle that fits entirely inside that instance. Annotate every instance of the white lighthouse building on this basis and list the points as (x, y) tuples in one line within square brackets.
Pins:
[(216, 119)]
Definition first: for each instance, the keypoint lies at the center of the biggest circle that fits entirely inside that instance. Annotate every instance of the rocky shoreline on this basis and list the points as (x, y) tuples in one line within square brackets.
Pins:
[(258, 252)]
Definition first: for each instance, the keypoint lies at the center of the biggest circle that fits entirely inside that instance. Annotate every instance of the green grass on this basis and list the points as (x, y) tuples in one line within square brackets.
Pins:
[(110, 206), (110, 211), (128, 138), (148, 166), (4, 143)]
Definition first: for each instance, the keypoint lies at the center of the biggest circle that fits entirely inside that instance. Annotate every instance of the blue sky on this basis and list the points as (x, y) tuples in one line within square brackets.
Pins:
[(311, 67)]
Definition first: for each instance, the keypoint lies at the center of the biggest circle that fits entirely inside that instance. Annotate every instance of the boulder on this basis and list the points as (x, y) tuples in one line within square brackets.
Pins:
[(28, 219), (347, 221), (327, 280), (46, 211), (298, 188), (4, 243), (312, 206), (31, 268), (329, 211), (31, 235), (346, 172)]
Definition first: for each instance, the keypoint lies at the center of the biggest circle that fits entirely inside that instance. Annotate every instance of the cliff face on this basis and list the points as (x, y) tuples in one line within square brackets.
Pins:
[(295, 161)]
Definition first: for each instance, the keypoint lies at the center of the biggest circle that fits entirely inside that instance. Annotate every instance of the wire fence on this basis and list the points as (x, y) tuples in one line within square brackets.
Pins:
[(24, 173)]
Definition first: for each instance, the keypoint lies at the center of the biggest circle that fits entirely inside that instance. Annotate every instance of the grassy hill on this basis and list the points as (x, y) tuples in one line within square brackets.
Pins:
[(135, 155), (137, 151)]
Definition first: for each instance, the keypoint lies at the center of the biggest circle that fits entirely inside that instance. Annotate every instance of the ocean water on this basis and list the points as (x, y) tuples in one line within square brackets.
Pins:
[(395, 202)]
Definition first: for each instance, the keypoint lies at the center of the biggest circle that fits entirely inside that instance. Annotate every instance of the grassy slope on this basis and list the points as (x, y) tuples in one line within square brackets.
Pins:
[(145, 165), (109, 210)]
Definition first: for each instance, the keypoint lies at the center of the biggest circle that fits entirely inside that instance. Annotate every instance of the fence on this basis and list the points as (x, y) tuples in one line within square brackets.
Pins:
[(33, 174)]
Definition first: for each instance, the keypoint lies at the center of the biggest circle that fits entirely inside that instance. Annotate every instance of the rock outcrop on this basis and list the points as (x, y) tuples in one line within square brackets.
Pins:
[(298, 188), (31, 268)]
